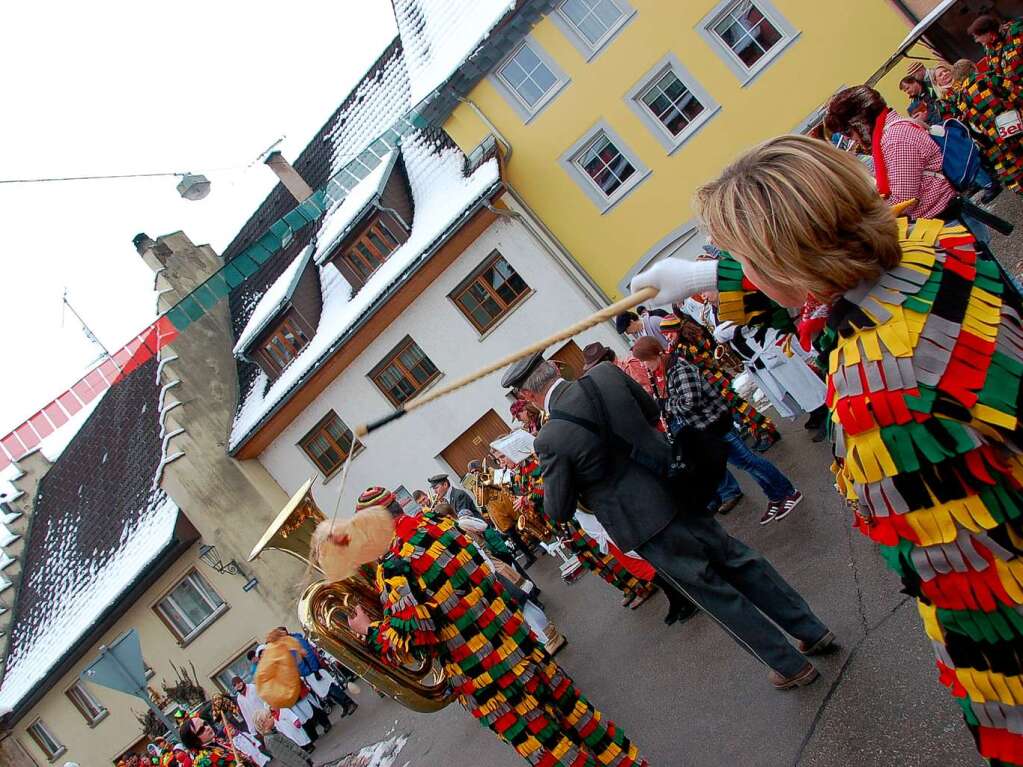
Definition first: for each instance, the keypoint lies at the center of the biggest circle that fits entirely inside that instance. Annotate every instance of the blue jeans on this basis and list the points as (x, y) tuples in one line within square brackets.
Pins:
[(776, 486)]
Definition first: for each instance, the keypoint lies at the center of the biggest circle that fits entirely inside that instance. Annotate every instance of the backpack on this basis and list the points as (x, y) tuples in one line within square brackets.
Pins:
[(960, 158)]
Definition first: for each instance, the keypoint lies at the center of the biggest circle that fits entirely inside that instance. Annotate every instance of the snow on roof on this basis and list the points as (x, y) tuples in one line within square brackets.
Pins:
[(338, 222), (438, 35), (272, 300), (98, 523), (442, 195), (54, 444)]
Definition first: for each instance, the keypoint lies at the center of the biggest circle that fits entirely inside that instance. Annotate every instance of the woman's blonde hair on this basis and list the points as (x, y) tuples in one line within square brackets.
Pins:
[(800, 211)]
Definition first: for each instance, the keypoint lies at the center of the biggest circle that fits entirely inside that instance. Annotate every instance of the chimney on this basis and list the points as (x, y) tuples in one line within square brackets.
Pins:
[(290, 177)]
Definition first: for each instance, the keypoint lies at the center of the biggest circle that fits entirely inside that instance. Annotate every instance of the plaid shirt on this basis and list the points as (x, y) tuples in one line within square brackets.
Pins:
[(691, 402), (908, 152)]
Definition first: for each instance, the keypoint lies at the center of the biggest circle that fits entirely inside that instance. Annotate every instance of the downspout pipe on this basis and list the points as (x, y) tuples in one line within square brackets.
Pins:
[(490, 126)]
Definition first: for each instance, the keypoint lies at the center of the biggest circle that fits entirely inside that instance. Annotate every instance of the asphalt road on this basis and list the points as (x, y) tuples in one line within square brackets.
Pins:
[(688, 695)]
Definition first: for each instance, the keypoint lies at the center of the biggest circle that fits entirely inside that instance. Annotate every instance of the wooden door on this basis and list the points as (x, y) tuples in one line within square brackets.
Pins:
[(474, 443), (570, 360)]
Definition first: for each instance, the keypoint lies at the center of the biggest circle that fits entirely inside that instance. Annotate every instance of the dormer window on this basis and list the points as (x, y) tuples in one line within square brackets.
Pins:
[(282, 345), (362, 255)]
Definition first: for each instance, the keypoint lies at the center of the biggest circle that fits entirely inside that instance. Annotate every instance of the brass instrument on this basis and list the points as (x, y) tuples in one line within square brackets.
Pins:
[(325, 607)]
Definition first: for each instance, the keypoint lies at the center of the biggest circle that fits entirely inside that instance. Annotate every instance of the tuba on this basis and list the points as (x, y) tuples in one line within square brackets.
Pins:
[(325, 606)]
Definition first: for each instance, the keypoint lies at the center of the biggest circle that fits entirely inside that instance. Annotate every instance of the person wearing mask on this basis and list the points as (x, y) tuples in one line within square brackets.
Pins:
[(440, 600)]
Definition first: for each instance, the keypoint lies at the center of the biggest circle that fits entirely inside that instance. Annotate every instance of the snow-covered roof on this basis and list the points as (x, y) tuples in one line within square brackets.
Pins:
[(98, 523), (439, 35), (339, 221), (271, 302), (443, 196)]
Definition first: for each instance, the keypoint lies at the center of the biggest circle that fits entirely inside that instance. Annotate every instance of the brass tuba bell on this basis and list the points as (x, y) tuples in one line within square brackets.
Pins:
[(325, 606)]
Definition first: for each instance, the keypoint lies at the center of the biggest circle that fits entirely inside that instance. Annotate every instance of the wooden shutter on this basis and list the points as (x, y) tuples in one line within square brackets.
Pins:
[(474, 443)]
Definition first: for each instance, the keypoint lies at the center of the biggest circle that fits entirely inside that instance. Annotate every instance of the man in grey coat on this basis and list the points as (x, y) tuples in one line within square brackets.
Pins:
[(622, 480), (460, 501)]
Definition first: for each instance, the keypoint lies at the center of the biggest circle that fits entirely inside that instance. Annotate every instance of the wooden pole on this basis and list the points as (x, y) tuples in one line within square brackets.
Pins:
[(230, 739), (596, 318)]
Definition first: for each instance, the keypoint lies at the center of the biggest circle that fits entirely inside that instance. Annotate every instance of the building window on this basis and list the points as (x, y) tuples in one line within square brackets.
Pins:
[(46, 740), (240, 667), (404, 373), (749, 33), (489, 293), (603, 166), (285, 344), (591, 24), (368, 252), (87, 705), (190, 607), (529, 79), (329, 443), (671, 103)]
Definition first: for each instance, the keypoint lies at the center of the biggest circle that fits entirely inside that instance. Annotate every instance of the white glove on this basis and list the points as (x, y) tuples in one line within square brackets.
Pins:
[(725, 332), (675, 279)]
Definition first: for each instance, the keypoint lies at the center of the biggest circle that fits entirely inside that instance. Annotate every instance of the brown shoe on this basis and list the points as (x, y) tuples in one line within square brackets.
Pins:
[(806, 675), (823, 645)]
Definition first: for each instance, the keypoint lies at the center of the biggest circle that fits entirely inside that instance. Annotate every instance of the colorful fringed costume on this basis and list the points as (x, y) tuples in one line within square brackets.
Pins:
[(1005, 59), (977, 102), (611, 566), (924, 393), (441, 599)]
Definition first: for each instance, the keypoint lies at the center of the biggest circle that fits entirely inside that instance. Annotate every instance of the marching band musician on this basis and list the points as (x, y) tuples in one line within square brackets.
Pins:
[(441, 599)]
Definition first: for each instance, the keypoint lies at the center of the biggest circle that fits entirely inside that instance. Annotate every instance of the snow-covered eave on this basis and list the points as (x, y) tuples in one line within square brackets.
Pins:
[(428, 253), (435, 107), (359, 217), (250, 335), (170, 553)]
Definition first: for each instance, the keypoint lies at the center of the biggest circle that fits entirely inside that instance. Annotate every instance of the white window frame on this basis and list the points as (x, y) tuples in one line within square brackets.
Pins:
[(670, 63), (684, 242), (89, 700), (240, 656), (41, 725), (509, 94), (204, 587), (569, 162), (589, 50), (746, 75)]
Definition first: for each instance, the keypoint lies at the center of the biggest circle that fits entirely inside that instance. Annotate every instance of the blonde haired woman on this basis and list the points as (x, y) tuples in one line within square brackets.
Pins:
[(925, 358)]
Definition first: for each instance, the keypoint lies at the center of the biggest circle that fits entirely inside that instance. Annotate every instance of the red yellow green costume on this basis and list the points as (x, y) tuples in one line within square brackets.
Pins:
[(924, 389), (977, 102), (441, 599)]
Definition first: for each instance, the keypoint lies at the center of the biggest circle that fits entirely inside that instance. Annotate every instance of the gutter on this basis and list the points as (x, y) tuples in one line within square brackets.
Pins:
[(481, 203)]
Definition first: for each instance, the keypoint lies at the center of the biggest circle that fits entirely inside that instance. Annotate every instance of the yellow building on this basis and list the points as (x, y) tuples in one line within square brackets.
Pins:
[(613, 112)]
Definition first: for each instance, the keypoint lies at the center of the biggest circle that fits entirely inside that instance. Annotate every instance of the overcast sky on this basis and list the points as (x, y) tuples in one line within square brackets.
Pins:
[(130, 87)]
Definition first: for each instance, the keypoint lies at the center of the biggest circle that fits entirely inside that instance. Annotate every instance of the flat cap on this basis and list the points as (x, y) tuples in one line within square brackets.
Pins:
[(519, 371), (436, 479)]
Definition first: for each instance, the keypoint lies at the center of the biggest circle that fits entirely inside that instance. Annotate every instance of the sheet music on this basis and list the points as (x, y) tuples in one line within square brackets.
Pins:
[(518, 445)]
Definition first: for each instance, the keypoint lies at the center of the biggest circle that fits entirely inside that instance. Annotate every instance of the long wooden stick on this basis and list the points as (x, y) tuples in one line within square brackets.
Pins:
[(596, 318), (230, 739)]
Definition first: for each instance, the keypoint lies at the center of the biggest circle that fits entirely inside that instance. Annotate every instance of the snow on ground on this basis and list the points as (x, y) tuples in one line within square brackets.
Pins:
[(442, 195), (272, 300), (382, 754), (438, 35), (86, 595)]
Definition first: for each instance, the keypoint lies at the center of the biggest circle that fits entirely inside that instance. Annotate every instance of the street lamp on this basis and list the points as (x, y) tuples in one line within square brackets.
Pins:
[(208, 554)]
